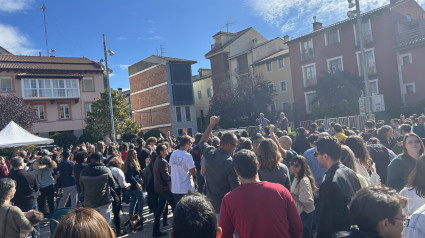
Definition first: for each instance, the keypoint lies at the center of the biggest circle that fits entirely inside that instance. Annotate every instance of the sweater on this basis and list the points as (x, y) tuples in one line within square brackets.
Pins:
[(16, 221)]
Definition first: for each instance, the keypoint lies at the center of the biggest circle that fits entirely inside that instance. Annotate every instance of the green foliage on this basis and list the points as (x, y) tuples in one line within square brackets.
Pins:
[(64, 139), (8, 152), (129, 137), (337, 94), (154, 133), (240, 106), (89, 137), (99, 121)]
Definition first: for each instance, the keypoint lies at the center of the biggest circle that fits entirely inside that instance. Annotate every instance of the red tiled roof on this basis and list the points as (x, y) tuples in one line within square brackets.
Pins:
[(21, 62)]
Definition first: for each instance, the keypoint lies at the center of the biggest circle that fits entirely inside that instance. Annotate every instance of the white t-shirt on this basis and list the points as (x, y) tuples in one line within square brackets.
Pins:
[(181, 181)]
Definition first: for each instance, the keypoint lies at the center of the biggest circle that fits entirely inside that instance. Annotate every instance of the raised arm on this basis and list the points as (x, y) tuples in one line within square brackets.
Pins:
[(213, 121), (275, 139)]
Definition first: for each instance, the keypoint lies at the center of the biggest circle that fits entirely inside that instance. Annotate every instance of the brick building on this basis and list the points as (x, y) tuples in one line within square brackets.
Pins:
[(162, 94), (60, 89), (387, 42)]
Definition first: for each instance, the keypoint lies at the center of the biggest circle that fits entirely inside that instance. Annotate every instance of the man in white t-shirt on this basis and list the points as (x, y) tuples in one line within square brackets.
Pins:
[(182, 169)]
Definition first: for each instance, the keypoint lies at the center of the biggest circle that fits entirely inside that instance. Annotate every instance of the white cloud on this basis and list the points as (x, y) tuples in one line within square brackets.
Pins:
[(295, 16), (150, 38), (14, 5), (15, 42), (122, 66)]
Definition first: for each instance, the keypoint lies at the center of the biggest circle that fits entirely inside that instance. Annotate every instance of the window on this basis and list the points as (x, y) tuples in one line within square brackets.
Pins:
[(306, 48), (406, 59), (242, 64), (88, 108), (282, 85), (410, 88), (335, 65), (199, 94), (269, 67), (64, 111), (280, 64), (189, 131), (272, 107), (370, 61), (187, 109), (332, 37), (179, 114), (88, 84), (272, 89), (309, 75), (367, 32), (285, 107), (373, 87), (309, 104), (408, 17), (6, 84), (50, 88), (209, 92), (39, 111)]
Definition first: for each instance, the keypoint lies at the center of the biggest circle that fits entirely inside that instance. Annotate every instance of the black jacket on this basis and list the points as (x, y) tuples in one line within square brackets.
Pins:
[(95, 181), (339, 185), (355, 233), (26, 188), (381, 157), (133, 176)]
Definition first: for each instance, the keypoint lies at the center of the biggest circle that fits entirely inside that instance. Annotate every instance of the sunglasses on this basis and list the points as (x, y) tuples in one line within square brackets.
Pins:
[(405, 220), (317, 153), (296, 165)]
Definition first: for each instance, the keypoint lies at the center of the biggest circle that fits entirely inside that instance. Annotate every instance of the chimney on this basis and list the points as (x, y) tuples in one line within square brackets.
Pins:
[(120, 90), (316, 25), (393, 2), (285, 38)]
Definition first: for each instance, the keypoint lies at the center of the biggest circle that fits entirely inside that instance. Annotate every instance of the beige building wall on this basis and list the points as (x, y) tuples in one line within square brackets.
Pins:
[(203, 91), (278, 77)]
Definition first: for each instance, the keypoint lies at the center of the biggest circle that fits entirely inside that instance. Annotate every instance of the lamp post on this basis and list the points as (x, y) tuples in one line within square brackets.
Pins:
[(363, 55), (111, 109)]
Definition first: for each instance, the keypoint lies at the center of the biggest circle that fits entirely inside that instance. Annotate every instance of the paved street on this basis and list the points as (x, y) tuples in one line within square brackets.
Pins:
[(148, 225)]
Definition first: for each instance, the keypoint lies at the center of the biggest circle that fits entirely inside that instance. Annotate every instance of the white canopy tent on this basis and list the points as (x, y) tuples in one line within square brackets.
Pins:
[(13, 135)]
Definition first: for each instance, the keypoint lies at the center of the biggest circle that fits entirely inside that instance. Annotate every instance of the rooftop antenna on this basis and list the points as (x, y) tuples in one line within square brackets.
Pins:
[(43, 8), (227, 25), (162, 49)]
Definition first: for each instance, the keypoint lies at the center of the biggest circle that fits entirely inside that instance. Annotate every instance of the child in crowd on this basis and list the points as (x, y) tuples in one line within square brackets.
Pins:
[(34, 217)]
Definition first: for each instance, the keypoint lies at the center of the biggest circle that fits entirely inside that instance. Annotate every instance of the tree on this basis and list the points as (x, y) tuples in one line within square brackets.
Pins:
[(240, 106), (64, 139), (337, 94), (99, 121), (15, 109)]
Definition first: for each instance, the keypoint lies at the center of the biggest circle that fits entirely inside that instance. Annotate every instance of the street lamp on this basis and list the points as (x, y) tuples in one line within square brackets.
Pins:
[(351, 14), (111, 109)]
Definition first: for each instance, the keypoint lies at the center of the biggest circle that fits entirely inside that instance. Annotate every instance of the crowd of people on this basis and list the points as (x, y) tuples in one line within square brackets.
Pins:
[(327, 181)]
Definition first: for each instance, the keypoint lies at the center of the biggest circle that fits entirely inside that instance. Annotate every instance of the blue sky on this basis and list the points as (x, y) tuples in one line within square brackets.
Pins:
[(135, 29)]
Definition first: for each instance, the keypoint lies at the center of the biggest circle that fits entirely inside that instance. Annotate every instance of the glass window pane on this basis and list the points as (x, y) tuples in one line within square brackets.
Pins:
[(187, 114), (61, 83), (179, 114), (55, 83), (88, 84), (6, 84)]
